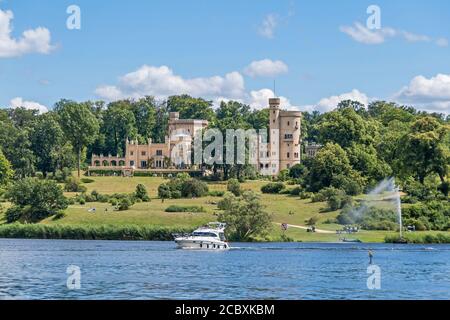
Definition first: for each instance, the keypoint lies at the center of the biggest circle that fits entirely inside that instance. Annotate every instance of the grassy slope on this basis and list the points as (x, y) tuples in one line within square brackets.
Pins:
[(285, 209)]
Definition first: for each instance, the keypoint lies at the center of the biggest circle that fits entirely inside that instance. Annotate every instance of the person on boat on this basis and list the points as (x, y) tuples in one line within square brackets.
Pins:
[(370, 256)]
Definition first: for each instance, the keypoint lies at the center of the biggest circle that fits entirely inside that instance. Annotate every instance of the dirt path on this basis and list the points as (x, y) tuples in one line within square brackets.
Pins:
[(306, 228)]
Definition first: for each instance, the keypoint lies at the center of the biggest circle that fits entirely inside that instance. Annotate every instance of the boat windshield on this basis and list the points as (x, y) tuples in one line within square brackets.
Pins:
[(204, 234), (222, 236)]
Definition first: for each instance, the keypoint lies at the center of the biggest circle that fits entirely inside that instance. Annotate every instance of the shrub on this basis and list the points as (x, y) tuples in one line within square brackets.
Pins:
[(73, 185), (175, 208), (124, 204), (87, 180), (103, 232), (62, 175), (313, 220), (295, 191), (216, 193), (306, 195), (164, 191), (369, 218), (273, 188), (234, 187), (283, 175), (34, 200), (334, 203), (59, 215), (444, 188), (141, 193), (193, 188), (349, 184)]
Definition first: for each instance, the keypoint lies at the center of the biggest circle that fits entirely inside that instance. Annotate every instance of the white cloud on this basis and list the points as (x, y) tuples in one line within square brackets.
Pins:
[(32, 40), (268, 26), (330, 103), (266, 68), (162, 82), (431, 94), (259, 99), (442, 42), (362, 34), (31, 105)]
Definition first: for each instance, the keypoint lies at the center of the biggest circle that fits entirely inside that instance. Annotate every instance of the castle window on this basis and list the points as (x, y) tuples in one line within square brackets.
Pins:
[(131, 153), (143, 153), (131, 163), (144, 164), (288, 155), (288, 136), (159, 152), (289, 123)]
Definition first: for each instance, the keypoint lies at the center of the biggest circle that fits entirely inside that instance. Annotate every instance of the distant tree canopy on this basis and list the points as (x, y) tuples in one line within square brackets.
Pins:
[(6, 172), (361, 145)]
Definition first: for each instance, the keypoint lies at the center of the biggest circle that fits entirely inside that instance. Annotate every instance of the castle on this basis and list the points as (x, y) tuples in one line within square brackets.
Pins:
[(281, 151)]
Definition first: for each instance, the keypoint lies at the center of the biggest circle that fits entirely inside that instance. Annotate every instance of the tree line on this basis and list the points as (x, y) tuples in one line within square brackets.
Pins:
[(361, 145)]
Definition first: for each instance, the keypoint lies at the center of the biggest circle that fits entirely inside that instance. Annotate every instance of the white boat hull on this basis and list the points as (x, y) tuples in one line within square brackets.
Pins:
[(201, 244)]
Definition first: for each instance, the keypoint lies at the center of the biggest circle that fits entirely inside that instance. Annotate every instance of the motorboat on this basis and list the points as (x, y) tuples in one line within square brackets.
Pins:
[(208, 237)]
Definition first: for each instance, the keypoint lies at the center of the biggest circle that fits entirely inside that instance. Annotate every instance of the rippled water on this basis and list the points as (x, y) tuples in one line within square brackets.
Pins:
[(36, 269)]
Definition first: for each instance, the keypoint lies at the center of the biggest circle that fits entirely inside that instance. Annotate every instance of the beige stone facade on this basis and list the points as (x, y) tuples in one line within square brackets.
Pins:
[(173, 154), (283, 148), (281, 151)]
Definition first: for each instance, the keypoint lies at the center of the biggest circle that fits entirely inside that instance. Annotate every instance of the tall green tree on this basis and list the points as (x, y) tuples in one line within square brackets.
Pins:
[(6, 171), (47, 139), (426, 149), (245, 216), (345, 126), (119, 124), (191, 108), (144, 111), (330, 162), (79, 124)]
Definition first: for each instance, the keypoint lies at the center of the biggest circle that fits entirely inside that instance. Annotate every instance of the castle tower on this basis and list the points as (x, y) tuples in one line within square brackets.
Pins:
[(285, 129), (274, 135)]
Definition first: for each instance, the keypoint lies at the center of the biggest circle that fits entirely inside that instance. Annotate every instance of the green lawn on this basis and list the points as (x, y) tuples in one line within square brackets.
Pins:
[(284, 208)]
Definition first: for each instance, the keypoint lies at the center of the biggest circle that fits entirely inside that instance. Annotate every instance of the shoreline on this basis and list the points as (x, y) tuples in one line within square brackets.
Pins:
[(164, 233)]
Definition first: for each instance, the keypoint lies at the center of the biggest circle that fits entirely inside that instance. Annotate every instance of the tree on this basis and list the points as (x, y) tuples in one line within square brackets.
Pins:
[(298, 171), (46, 142), (119, 124), (15, 144), (331, 161), (232, 115), (194, 188), (191, 108), (34, 200), (346, 126), (79, 125), (141, 193), (164, 192), (144, 111), (234, 187), (246, 217), (426, 149), (6, 171)]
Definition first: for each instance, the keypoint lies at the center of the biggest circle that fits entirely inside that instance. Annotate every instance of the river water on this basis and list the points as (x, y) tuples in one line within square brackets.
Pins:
[(37, 269)]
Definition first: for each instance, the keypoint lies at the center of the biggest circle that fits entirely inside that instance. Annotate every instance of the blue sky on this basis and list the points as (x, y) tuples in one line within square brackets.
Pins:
[(314, 49)]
